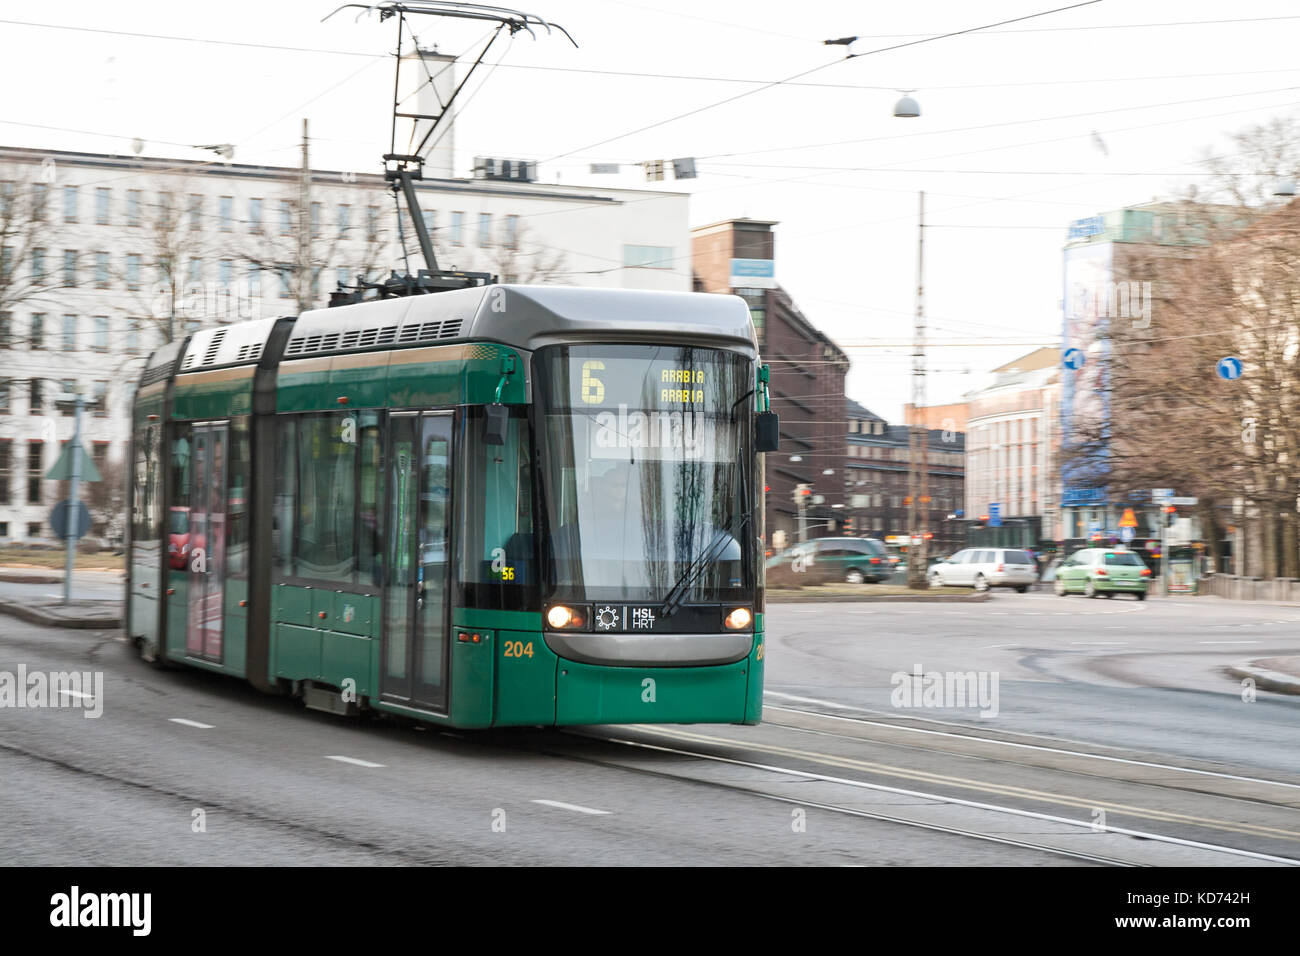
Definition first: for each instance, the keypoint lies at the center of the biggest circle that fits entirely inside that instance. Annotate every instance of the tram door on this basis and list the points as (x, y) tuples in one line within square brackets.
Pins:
[(206, 541), (415, 648)]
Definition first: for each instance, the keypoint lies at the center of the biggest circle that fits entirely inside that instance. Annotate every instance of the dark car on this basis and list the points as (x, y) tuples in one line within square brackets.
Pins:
[(848, 559)]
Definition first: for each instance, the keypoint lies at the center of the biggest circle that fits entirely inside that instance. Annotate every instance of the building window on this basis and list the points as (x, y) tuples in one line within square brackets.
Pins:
[(194, 273), (225, 212), (6, 329), (4, 396), (103, 197), (133, 207), (344, 218), (6, 475), (286, 217), (255, 215), (372, 222), (315, 220), (69, 268), (66, 387), (100, 400), (341, 273), (224, 271), (648, 257), (286, 280), (100, 343), (133, 271), (101, 270), (69, 333), (99, 455), (512, 232), (430, 217), (196, 212), (254, 279), (484, 229), (70, 203), (34, 472), (38, 264), (33, 529), (39, 195), (457, 224), (132, 336), (37, 339)]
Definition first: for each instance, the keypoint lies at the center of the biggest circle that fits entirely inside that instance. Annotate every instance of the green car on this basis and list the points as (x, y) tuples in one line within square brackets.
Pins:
[(1107, 571)]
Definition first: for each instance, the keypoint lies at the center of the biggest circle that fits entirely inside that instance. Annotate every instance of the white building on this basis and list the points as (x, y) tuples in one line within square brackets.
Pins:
[(1011, 434), (103, 254)]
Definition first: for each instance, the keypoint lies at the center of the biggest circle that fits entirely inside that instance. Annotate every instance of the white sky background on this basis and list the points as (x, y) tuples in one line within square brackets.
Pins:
[(1004, 148)]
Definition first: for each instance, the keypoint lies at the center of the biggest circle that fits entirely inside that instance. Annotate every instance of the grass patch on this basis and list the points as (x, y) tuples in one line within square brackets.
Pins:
[(19, 557)]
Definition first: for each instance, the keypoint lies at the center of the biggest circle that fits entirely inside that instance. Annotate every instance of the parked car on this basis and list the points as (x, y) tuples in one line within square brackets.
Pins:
[(984, 568), (1107, 571), (850, 559)]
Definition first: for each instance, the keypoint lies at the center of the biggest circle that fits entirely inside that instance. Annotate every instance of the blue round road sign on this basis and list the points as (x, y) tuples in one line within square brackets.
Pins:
[(1073, 358), (59, 519), (1229, 368)]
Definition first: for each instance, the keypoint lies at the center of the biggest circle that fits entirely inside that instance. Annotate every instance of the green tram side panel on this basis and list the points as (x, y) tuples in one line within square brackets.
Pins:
[(421, 377), (524, 689), (341, 645), (757, 668)]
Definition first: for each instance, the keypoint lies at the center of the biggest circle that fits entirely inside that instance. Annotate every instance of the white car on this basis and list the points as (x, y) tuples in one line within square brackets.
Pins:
[(984, 568)]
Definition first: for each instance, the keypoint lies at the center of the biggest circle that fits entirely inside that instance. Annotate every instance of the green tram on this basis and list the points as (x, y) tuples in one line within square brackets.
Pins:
[(494, 506)]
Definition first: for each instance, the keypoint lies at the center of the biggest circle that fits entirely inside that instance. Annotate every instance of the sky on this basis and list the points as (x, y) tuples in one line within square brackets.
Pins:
[(1024, 127)]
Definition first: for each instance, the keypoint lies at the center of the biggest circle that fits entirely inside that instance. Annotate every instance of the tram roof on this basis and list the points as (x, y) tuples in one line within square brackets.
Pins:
[(525, 316), (528, 317)]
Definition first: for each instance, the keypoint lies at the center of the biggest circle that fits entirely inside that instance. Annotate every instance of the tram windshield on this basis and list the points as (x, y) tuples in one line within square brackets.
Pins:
[(646, 468)]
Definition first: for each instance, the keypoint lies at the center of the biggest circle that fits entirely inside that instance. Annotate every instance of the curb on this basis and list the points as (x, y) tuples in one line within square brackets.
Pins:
[(1265, 679), (794, 597), (103, 619)]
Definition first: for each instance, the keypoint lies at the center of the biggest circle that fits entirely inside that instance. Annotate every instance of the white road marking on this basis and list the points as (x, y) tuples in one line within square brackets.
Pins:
[(1227, 642), (1102, 643), (354, 761), (190, 723), (987, 646), (78, 694), (571, 806)]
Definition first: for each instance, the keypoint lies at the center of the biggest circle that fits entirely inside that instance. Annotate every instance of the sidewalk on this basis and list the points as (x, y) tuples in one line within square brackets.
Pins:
[(99, 615), (1278, 674)]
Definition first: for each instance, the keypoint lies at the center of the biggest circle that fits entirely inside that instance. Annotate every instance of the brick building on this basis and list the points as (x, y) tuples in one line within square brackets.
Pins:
[(808, 369)]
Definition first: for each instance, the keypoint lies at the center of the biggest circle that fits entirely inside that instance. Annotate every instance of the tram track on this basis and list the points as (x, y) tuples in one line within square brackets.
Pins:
[(713, 761)]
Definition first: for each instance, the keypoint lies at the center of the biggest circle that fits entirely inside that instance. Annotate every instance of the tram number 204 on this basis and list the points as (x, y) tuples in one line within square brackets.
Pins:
[(518, 649)]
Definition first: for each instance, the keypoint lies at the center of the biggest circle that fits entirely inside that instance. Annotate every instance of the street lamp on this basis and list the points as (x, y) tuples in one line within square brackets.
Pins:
[(907, 107)]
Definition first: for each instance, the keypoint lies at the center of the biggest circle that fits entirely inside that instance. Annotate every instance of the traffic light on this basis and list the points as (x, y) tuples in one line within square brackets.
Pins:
[(1172, 513), (802, 491)]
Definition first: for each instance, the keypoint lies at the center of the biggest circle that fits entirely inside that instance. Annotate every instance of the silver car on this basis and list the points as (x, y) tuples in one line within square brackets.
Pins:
[(984, 568)]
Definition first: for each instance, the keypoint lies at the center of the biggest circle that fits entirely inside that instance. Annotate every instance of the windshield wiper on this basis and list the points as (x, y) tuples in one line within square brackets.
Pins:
[(674, 598)]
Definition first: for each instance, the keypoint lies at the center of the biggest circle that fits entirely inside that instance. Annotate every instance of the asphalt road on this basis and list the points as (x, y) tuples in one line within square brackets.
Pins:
[(1115, 741)]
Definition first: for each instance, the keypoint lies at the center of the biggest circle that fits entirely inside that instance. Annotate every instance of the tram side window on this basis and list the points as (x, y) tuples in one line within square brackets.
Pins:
[(283, 507), (497, 506), (178, 521), (370, 494), (148, 493), (325, 545), (237, 478)]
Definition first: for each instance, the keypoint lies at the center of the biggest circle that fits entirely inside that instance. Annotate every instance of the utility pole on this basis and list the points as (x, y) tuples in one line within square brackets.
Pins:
[(304, 226), (74, 499), (918, 472)]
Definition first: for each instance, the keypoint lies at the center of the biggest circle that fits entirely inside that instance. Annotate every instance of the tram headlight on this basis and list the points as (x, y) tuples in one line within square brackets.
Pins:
[(738, 619), (568, 617)]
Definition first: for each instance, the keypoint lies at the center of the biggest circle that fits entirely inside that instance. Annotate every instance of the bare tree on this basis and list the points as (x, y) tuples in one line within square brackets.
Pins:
[(525, 260), (1226, 278), (24, 232)]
